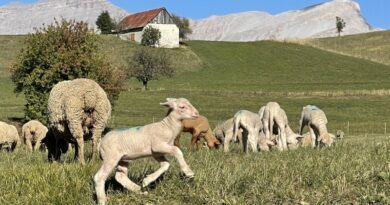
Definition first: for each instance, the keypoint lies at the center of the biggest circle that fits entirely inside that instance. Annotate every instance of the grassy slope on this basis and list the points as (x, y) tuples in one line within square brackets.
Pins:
[(234, 76), (373, 46)]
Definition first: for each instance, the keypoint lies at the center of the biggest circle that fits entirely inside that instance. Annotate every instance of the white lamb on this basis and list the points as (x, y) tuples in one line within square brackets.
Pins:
[(316, 120), (251, 125), (9, 137), (119, 147), (33, 133), (273, 113)]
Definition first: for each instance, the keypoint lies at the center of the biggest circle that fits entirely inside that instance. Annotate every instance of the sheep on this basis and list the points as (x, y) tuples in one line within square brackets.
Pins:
[(316, 120), (199, 128), (251, 125), (273, 113), (77, 109), (9, 137), (119, 147), (306, 140), (225, 129), (33, 132)]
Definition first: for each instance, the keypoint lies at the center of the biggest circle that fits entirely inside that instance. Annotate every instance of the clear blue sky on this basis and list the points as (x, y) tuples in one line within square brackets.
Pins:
[(377, 12)]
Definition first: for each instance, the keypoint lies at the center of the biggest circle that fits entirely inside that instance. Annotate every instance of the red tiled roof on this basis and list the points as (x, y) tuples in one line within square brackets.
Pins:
[(139, 20)]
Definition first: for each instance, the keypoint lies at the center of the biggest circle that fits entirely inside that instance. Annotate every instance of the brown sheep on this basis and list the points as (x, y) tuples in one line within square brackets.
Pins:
[(199, 128)]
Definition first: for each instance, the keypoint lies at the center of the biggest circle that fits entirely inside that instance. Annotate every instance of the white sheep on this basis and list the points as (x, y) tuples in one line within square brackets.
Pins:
[(316, 120), (251, 125), (9, 137), (273, 115), (225, 129), (77, 109), (33, 132), (119, 147)]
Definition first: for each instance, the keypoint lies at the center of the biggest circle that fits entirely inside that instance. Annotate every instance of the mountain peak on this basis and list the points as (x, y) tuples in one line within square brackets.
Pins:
[(310, 22)]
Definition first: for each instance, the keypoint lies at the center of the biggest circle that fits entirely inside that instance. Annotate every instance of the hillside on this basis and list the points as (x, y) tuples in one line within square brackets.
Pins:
[(232, 76), (373, 46), (310, 22), (353, 92)]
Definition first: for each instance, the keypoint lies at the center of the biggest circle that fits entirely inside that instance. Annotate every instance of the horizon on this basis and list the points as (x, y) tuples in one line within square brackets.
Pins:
[(374, 11)]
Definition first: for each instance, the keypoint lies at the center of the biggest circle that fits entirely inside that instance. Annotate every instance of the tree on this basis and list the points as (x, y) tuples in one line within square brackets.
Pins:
[(184, 26), (150, 64), (61, 51), (151, 36), (340, 25), (105, 23)]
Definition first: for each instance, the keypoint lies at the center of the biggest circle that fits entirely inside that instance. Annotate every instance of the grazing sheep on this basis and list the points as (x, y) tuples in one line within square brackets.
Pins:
[(225, 129), (199, 128), (119, 147), (33, 133), (316, 120), (78, 109), (273, 113), (306, 140), (9, 137), (251, 125)]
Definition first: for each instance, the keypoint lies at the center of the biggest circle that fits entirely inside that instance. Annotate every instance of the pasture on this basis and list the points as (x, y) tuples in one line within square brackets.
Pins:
[(220, 78)]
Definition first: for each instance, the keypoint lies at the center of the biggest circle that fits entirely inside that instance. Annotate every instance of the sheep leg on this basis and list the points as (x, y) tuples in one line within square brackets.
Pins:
[(80, 148), (164, 165), (283, 137), (252, 141), (123, 179), (37, 145), (101, 177), (29, 145), (245, 141), (177, 141), (266, 129), (313, 137), (97, 133), (279, 140), (226, 141), (178, 154)]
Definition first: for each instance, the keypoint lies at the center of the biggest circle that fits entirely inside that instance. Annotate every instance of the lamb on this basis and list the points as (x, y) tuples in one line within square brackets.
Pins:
[(33, 132), (306, 140), (78, 109), (119, 147), (316, 120), (225, 129), (199, 128), (9, 137), (251, 125), (273, 113)]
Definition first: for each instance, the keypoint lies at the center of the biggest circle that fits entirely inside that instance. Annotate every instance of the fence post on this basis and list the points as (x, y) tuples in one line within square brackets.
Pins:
[(348, 128), (385, 128)]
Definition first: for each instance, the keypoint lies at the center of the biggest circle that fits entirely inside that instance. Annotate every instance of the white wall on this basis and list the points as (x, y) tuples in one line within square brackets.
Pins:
[(169, 35)]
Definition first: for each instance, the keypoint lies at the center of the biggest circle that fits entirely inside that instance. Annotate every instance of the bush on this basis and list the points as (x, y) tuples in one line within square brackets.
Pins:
[(62, 51), (150, 64), (151, 36)]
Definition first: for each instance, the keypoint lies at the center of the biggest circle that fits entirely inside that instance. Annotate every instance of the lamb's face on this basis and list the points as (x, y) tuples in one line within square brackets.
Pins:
[(182, 107)]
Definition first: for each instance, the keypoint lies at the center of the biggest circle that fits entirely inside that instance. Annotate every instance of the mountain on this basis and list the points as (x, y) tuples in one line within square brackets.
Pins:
[(314, 21), (17, 18)]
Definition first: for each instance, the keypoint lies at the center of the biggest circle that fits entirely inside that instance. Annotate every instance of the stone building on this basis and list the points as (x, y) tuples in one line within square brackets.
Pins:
[(132, 27)]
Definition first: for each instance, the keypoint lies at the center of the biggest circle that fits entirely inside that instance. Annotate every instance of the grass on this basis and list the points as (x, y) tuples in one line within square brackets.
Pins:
[(220, 78), (373, 46), (356, 171)]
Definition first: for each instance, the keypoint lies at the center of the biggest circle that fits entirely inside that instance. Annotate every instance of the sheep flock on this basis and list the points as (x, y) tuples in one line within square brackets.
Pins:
[(84, 113)]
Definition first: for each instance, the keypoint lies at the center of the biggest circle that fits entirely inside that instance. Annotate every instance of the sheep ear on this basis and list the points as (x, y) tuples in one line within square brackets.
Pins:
[(171, 99), (169, 103)]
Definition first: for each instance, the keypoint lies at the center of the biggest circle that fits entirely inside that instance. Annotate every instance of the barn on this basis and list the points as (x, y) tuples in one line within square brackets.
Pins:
[(132, 27)]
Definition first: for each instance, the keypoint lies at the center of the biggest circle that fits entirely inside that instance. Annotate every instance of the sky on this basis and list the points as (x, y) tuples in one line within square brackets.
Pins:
[(376, 12)]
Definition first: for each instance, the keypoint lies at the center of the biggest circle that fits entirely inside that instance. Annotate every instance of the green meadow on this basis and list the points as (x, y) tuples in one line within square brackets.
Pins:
[(220, 78)]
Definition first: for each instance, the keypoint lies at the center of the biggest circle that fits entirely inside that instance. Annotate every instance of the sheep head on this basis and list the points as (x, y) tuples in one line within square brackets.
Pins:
[(181, 108)]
